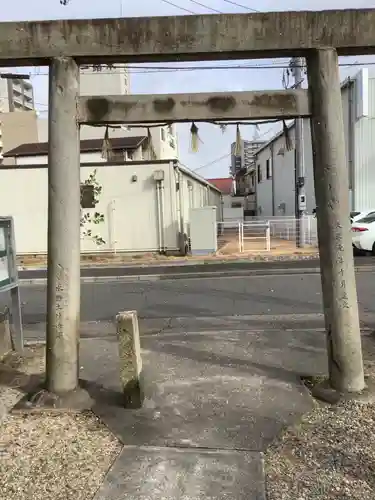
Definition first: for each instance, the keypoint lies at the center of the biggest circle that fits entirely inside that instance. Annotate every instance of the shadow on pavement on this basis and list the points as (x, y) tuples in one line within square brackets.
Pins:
[(217, 391)]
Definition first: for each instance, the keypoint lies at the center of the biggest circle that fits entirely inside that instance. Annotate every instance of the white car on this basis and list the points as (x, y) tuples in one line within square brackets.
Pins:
[(363, 234), (354, 216)]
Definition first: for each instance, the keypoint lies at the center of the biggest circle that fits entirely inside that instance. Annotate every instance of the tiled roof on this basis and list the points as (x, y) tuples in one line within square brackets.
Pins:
[(87, 146), (224, 184)]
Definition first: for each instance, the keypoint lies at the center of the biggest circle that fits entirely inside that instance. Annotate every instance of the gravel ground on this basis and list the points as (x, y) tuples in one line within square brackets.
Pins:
[(330, 455), (55, 456)]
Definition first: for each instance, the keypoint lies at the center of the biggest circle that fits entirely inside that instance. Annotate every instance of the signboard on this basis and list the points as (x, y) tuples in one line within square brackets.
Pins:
[(9, 276), (8, 269), (4, 268)]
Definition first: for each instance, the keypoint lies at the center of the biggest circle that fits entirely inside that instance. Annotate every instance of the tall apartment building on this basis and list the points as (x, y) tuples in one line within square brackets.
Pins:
[(16, 95), (245, 160), (104, 80), (242, 170)]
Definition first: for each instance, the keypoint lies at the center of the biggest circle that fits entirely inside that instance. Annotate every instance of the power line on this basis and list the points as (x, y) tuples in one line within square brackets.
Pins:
[(206, 7), (241, 6), (178, 7), (171, 69), (213, 162)]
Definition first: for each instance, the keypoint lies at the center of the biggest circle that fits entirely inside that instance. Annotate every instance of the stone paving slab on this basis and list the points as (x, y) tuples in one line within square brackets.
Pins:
[(173, 474), (233, 391)]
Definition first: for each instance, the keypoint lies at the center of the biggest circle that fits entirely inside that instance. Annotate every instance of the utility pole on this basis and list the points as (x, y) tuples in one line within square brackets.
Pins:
[(335, 246), (296, 67), (64, 215)]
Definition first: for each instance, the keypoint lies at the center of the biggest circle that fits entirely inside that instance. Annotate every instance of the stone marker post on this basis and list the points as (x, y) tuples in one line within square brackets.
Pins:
[(130, 358), (5, 337)]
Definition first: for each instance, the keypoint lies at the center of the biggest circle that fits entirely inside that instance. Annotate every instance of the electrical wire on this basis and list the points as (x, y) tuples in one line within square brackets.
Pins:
[(213, 162), (241, 6), (178, 7), (171, 69), (206, 7)]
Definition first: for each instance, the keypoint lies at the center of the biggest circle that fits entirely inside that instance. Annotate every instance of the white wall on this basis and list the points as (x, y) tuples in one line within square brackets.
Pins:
[(227, 201), (263, 188), (129, 207), (284, 178), (196, 195), (43, 159), (364, 144)]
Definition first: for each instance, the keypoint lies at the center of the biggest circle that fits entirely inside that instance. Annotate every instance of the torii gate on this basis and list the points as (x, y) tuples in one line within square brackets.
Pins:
[(318, 36)]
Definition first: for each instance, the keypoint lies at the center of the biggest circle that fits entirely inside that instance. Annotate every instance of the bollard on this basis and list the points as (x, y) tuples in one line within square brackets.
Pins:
[(130, 358)]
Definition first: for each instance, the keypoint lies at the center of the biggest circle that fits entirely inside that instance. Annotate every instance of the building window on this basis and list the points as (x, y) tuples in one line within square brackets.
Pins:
[(269, 169), (259, 173), (252, 180), (162, 134), (87, 196), (171, 143)]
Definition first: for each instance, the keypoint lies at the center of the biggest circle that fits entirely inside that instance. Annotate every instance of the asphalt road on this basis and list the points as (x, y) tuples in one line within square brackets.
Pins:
[(205, 297)]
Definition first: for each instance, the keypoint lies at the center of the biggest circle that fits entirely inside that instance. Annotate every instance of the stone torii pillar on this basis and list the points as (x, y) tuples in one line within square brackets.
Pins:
[(331, 181), (63, 286)]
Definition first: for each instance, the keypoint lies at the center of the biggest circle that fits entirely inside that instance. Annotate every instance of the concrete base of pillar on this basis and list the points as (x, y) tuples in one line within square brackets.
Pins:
[(321, 390), (40, 400)]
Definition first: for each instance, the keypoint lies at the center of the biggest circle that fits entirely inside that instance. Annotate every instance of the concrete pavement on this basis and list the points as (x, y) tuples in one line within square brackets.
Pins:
[(214, 402)]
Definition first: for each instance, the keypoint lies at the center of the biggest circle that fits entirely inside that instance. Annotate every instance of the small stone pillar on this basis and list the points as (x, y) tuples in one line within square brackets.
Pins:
[(130, 358), (5, 337)]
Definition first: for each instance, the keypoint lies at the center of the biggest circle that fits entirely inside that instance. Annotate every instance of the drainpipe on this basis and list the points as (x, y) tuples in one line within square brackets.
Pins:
[(351, 144), (163, 249), (158, 202), (273, 180), (181, 214)]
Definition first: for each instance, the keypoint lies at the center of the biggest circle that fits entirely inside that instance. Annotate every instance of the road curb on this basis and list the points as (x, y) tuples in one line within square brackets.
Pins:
[(192, 275), (186, 264)]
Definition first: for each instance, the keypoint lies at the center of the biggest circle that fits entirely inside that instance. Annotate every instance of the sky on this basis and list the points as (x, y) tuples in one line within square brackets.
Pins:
[(213, 157)]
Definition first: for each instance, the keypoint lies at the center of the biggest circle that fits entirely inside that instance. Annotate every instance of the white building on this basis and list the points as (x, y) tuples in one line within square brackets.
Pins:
[(138, 211), (104, 80), (114, 80), (275, 163)]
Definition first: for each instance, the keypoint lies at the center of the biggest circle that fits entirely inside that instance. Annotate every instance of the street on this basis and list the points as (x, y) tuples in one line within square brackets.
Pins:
[(205, 297)]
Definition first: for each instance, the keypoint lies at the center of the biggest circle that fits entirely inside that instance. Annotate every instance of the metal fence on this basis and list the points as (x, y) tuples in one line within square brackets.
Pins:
[(259, 234), (239, 236), (229, 236), (286, 229), (255, 236)]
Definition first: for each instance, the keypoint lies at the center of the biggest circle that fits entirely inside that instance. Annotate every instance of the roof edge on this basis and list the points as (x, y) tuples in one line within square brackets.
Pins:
[(195, 176), (344, 84)]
